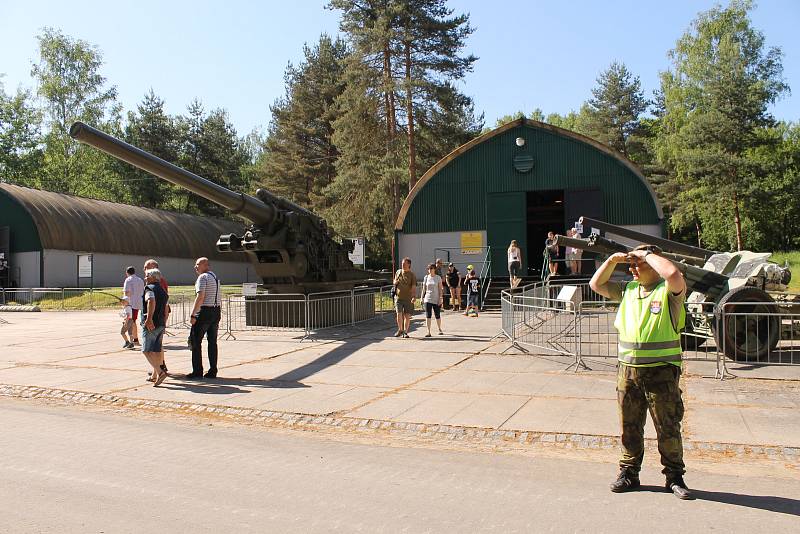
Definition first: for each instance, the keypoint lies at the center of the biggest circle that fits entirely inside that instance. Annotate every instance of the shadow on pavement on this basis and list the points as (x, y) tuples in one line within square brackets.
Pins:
[(227, 386), (770, 503)]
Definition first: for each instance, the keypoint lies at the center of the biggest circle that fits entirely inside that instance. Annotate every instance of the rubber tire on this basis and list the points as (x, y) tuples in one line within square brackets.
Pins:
[(748, 300)]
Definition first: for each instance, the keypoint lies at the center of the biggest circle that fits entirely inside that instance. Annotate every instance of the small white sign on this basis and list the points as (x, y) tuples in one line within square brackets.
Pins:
[(596, 231), (357, 256), (570, 294), (249, 289), (579, 228), (84, 265)]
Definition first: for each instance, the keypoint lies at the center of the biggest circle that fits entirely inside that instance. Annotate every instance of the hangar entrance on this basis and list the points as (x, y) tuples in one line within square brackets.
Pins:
[(527, 216), (544, 213)]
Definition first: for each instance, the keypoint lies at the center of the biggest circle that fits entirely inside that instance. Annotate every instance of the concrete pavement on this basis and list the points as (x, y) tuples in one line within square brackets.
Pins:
[(460, 380), (71, 470)]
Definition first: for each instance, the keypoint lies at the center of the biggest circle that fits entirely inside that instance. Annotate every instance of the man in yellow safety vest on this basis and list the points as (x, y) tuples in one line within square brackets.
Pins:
[(650, 318)]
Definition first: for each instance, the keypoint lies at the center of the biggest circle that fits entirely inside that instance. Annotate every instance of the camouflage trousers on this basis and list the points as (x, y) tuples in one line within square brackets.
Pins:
[(656, 389)]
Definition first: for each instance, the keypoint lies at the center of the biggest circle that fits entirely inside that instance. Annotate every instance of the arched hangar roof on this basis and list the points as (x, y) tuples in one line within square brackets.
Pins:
[(562, 159), (66, 222)]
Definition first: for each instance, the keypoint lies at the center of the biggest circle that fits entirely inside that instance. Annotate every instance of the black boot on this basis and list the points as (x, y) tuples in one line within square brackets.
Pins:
[(626, 481), (678, 487)]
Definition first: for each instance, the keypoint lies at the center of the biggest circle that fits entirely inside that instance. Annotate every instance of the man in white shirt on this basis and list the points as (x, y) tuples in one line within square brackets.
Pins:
[(133, 288), (206, 314)]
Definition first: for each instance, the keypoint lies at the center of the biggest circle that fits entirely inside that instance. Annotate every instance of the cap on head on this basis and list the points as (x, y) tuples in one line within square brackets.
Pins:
[(470, 268), (450, 265)]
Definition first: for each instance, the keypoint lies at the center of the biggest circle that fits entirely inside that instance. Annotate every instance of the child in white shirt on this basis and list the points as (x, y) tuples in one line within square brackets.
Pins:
[(127, 323)]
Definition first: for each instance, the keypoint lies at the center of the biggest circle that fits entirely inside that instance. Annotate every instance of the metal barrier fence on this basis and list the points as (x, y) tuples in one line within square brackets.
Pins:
[(583, 328), (303, 313), (57, 298)]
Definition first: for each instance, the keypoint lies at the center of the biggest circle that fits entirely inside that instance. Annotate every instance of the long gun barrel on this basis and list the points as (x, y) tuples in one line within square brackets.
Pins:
[(697, 279), (665, 244), (241, 204)]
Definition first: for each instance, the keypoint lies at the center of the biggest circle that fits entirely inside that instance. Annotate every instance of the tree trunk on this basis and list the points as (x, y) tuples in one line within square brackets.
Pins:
[(697, 229), (388, 96), (412, 151), (737, 221)]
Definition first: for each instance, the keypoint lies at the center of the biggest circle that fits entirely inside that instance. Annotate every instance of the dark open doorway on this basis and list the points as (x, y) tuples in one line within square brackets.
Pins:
[(545, 213)]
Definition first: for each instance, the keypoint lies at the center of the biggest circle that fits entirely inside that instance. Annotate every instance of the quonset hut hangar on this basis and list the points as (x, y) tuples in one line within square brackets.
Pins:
[(52, 237), (519, 181)]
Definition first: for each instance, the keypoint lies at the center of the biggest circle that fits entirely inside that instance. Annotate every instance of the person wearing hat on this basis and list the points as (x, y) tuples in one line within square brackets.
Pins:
[(473, 284), (453, 279)]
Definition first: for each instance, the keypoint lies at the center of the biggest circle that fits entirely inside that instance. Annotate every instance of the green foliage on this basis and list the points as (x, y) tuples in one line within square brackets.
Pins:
[(614, 110), (299, 158), (20, 137), (72, 88), (715, 99)]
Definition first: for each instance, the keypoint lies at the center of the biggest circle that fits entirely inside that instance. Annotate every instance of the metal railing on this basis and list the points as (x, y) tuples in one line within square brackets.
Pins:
[(583, 327)]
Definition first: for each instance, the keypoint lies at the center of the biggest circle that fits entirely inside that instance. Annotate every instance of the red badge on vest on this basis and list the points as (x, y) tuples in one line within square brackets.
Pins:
[(655, 306)]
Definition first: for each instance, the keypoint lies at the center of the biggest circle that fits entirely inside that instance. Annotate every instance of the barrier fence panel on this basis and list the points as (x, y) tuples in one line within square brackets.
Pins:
[(597, 335), (546, 324), (757, 334)]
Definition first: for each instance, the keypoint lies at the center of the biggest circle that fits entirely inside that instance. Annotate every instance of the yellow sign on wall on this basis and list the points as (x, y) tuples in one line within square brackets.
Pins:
[(471, 242)]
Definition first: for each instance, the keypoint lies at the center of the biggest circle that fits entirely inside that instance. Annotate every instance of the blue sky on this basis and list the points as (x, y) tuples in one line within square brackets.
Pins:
[(233, 54)]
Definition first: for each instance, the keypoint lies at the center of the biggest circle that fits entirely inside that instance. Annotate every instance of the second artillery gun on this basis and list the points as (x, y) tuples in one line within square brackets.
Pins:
[(730, 293), (291, 248)]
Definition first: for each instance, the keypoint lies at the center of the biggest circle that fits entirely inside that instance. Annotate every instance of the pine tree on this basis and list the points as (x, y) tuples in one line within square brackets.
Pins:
[(615, 107), (299, 158)]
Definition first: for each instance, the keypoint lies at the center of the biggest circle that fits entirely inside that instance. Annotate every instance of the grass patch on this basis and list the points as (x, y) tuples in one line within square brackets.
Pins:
[(793, 258)]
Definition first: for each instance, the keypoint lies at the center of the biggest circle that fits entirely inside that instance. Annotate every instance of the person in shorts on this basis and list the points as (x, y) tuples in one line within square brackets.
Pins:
[(432, 297), (454, 283), (127, 323), (405, 284), (514, 263), (154, 303), (133, 288), (473, 284)]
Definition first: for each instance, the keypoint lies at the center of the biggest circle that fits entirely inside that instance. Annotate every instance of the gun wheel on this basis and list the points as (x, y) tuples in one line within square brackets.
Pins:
[(748, 326)]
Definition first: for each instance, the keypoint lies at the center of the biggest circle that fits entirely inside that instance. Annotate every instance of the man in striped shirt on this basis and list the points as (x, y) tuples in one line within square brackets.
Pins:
[(206, 314)]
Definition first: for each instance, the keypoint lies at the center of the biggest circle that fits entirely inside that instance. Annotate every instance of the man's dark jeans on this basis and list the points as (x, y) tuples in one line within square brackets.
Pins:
[(207, 324)]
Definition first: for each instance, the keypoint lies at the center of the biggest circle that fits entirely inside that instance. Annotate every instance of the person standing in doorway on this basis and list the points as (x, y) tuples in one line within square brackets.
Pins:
[(650, 318), (405, 284), (133, 288), (453, 279), (551, 249), (206, 314), (432, 297), (514, 263), (573, 254)]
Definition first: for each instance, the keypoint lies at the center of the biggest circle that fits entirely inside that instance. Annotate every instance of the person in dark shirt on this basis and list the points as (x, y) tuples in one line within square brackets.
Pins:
[(473, 284), (453, 279), (154, 304)]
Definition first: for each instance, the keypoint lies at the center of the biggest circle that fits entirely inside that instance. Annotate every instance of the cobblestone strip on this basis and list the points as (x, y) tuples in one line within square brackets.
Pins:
[(420, 431)]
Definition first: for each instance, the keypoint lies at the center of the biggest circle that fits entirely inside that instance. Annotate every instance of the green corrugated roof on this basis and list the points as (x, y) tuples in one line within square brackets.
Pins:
[(560, 160)]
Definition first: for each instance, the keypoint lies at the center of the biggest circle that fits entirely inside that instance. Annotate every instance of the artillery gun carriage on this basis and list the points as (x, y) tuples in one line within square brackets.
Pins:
[(292, 249), (731, 295)]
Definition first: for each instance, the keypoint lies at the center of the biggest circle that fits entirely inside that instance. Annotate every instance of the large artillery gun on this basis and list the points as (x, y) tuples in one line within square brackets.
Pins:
[(731, 294), (291, 248)]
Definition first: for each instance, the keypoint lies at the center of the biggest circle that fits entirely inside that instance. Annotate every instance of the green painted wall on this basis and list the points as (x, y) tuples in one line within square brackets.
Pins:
[(558, 163), (24, 236)]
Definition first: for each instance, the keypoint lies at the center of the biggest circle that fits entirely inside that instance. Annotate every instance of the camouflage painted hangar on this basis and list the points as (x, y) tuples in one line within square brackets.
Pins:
[(50, 240), (519, 181)]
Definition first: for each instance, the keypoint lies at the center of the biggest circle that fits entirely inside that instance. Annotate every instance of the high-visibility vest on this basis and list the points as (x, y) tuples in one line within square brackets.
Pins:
[(647, 337)]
